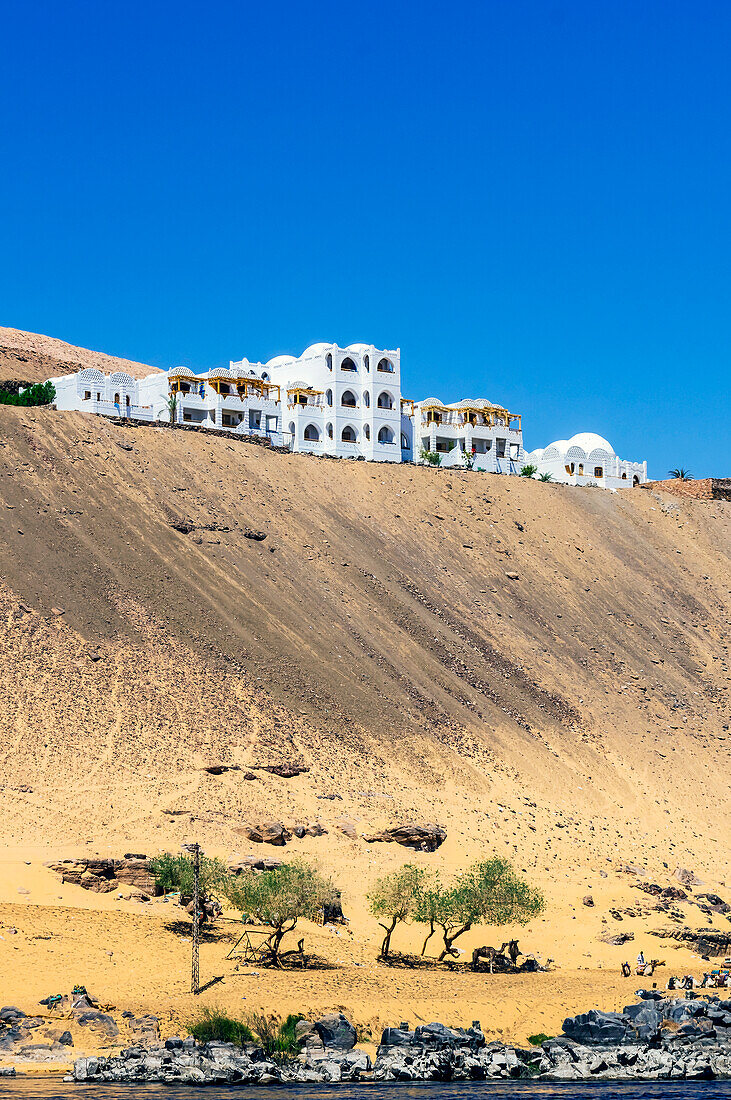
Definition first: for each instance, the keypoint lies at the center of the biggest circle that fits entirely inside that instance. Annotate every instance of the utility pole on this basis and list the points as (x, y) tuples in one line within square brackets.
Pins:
[(195, 850)]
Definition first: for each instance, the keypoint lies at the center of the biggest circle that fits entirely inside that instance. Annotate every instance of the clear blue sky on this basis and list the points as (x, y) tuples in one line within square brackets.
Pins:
[(531, 199)]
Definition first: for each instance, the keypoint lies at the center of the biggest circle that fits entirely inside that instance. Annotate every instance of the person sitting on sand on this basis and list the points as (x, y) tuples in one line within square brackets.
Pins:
[(641, 958)]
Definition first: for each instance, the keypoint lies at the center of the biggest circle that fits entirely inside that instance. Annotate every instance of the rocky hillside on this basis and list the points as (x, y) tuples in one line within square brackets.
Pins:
[(539, 670), (30, 357)]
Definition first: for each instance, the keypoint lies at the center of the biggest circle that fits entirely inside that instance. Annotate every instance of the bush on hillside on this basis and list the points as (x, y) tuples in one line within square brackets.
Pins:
[(214, 1025), (42, 393)]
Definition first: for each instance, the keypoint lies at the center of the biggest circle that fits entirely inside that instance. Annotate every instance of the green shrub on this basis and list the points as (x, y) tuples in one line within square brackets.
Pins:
[(42, 393), (528, 470), (539, 1039), (213, 1025), (277, 1038), (175, 872)]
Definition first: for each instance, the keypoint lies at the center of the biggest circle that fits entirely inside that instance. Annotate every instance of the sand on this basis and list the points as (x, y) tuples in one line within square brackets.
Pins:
[(574, 719)]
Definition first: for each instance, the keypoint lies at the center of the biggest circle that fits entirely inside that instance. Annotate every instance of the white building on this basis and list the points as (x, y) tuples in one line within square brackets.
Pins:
[(472, 431), (587, 459), (343, 402)]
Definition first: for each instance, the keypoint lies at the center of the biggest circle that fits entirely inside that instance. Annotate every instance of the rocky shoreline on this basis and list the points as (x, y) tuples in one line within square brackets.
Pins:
[(654, 1039)]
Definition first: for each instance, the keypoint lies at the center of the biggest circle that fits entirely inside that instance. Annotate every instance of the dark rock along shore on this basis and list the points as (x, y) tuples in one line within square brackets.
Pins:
[(655, 1039)]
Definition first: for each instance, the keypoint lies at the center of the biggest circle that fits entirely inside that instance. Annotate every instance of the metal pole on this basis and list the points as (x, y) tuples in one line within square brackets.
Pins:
[(195, 980)]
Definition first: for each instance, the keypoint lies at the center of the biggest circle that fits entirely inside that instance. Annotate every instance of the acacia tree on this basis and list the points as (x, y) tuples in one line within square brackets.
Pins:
[(279, 898), (395, 897), (175, 872), (489, 892)]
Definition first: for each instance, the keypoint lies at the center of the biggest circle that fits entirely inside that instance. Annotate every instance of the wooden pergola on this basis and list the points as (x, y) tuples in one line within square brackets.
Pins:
[(295, 394)]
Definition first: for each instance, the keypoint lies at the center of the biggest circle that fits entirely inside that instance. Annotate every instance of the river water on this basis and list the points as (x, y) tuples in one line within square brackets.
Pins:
[(28, 1089)]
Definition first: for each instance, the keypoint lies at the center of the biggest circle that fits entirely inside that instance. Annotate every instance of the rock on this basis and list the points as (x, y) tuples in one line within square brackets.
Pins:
[(336, 1032), (219, 769), (267, 832), (421, 837), (346, 825), (513, 576), (616, 939), (10, 1012), (588, 900), (66, 1039), (686, 877), (254, 863), (287, 770), (257, 536)]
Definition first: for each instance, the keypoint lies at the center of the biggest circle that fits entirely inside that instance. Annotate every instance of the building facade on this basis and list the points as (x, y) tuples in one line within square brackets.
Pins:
[(472, 432), (587, 459)]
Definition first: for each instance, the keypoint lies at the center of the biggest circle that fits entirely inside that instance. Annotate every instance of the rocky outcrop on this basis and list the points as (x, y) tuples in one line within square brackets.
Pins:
[(267, 832), (425, 837), (104, 875)]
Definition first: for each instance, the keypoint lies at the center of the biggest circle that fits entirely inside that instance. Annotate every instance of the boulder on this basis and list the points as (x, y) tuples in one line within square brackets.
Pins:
[(588, 900), (686, 877), (286, 770), (335, 1032), (254, 863), (426, 837), (267, 832)]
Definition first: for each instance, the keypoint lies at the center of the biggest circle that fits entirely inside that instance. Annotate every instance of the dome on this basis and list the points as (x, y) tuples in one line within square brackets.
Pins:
[(431, 403), (280, 361), (358, 347), (589, 441), (181, 372), (315, 349), (560, 446), (121, 376), (221, 372)]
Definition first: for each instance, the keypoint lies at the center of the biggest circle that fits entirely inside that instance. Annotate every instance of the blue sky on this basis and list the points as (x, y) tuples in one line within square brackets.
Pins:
[(530, 199)]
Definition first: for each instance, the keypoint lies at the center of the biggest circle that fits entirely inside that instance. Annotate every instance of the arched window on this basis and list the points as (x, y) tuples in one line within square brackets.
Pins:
[(385, 365), (624, 475), (367, 431), (329, 361), (385, 435), (329, 397), (348, 400), (581, 467), (292, 428), (385, 401), (348, 434), (329, 430), (635, 481), (116, 399), (264, 376), (367, 362), (348, 364), (312, 433), (404, 443), (366, 399)]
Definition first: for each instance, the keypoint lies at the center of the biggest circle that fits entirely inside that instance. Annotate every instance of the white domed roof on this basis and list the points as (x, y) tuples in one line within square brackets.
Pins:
[(221, 372), (559, 445), (181, 372), (315, 349), (357, 347), (280, 361), (431, 402), (589, 441)]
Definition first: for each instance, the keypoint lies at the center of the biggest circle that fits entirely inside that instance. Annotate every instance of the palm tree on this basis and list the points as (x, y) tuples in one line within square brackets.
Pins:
[(545, 477), (172, 403), (681, 474)]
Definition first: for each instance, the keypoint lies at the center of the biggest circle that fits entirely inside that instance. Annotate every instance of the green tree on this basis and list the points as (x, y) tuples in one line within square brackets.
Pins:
[(681, 474), (172, 404), (175, 872), (489, 892), (528, 470), (41, 393), (279, 898), (395, 898)]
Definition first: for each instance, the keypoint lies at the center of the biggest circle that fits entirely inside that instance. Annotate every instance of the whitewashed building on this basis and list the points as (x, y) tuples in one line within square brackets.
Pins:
[(472, 432), (342, 402), (586, 459)]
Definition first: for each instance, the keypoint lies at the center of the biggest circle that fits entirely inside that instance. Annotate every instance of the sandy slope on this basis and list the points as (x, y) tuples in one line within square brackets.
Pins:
[(573, 718), (30, 357)]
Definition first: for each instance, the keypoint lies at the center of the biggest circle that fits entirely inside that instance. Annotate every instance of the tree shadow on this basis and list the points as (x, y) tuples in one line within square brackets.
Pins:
[(208, 933)]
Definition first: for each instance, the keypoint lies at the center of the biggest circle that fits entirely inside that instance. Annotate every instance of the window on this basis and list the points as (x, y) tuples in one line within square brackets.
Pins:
[(367, 431), (385, 365), (367, 362), (581, 467), (404, 443), (348, 434), (385, 435), (569, 468), (598, 471), (329, 397), (329, 361), (329, 431), (98, 397), (348, 400), (87, 395), (385, 401), (312, 433), (366, 399), (116, 399), (624, 475), (126, 400), (635, 481), (264, 376), (500, 448), (348, 364), (432, 416)]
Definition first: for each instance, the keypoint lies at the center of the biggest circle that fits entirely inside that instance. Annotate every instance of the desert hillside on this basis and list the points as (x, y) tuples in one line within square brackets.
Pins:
[(30, 357), (544, 671)]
